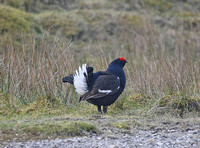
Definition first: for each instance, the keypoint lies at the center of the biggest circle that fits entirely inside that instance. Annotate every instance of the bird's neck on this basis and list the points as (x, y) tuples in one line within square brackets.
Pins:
[(119, 72), (112, 67), (116, 70)]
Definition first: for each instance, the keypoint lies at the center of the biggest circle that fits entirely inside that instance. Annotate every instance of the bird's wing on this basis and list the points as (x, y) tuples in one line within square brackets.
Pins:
[(103, 86)]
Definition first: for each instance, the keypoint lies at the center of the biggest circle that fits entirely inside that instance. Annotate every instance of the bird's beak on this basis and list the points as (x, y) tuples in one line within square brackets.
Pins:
[(126, 61)]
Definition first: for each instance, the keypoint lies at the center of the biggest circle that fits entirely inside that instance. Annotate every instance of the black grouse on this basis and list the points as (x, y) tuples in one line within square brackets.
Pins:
[(101, 88)]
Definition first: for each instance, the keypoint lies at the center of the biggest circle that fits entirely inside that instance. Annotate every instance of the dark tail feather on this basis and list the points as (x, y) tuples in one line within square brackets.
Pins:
[(69, 79)]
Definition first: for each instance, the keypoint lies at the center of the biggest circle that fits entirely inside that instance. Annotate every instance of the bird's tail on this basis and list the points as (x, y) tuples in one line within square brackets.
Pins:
[(69, 79)]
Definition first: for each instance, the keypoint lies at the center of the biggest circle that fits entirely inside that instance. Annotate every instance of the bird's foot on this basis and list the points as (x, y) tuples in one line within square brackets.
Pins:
[(99, 109), (105, 109)]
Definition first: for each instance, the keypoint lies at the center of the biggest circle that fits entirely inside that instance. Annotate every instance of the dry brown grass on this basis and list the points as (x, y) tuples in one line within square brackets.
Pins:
[(31, 70), (162, 61), (155, 68)]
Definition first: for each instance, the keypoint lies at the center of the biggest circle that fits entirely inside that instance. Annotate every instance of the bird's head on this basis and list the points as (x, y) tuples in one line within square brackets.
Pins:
[(119, 62)]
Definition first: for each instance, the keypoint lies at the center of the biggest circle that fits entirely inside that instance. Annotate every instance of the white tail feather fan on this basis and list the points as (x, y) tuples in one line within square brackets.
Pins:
[(80, 83)]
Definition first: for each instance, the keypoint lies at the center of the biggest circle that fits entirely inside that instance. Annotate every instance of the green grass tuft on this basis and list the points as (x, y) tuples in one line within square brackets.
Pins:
[(70, 128), (128, 124), (45, 129), (8, 105), (131, 104), (178, 103)]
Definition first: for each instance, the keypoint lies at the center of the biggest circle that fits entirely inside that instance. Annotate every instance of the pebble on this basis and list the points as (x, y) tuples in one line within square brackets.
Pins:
[(164, 138)]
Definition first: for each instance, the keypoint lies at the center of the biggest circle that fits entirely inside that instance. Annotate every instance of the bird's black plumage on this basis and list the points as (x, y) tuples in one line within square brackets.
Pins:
[(101, 88)]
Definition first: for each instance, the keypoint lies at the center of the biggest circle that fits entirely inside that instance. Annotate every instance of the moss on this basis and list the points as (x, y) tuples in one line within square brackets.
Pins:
[(122, 125), (126, 124)]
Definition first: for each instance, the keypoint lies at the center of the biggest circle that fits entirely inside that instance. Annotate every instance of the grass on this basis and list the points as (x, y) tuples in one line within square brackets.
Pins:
[(45, 129), (160, 43), (178, 103), (32, 73), (128, 124)]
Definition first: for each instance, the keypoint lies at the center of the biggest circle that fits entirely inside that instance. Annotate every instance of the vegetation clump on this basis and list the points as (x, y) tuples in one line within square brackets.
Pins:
[(179, 103), (44, 105), (127, 125), (69, 128), (131, 103), (14, 21), (8, 105), (45, 129)]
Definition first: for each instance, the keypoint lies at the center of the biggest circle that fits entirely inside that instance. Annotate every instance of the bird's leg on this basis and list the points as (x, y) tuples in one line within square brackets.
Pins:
[(99, 109), (105, 109)]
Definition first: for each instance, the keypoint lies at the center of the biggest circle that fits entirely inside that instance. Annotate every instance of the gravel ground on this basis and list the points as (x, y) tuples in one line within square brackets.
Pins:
[(150, 133), (155, 138)]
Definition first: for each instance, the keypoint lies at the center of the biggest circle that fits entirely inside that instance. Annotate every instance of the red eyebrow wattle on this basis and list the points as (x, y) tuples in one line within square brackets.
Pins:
[(122, 59)]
